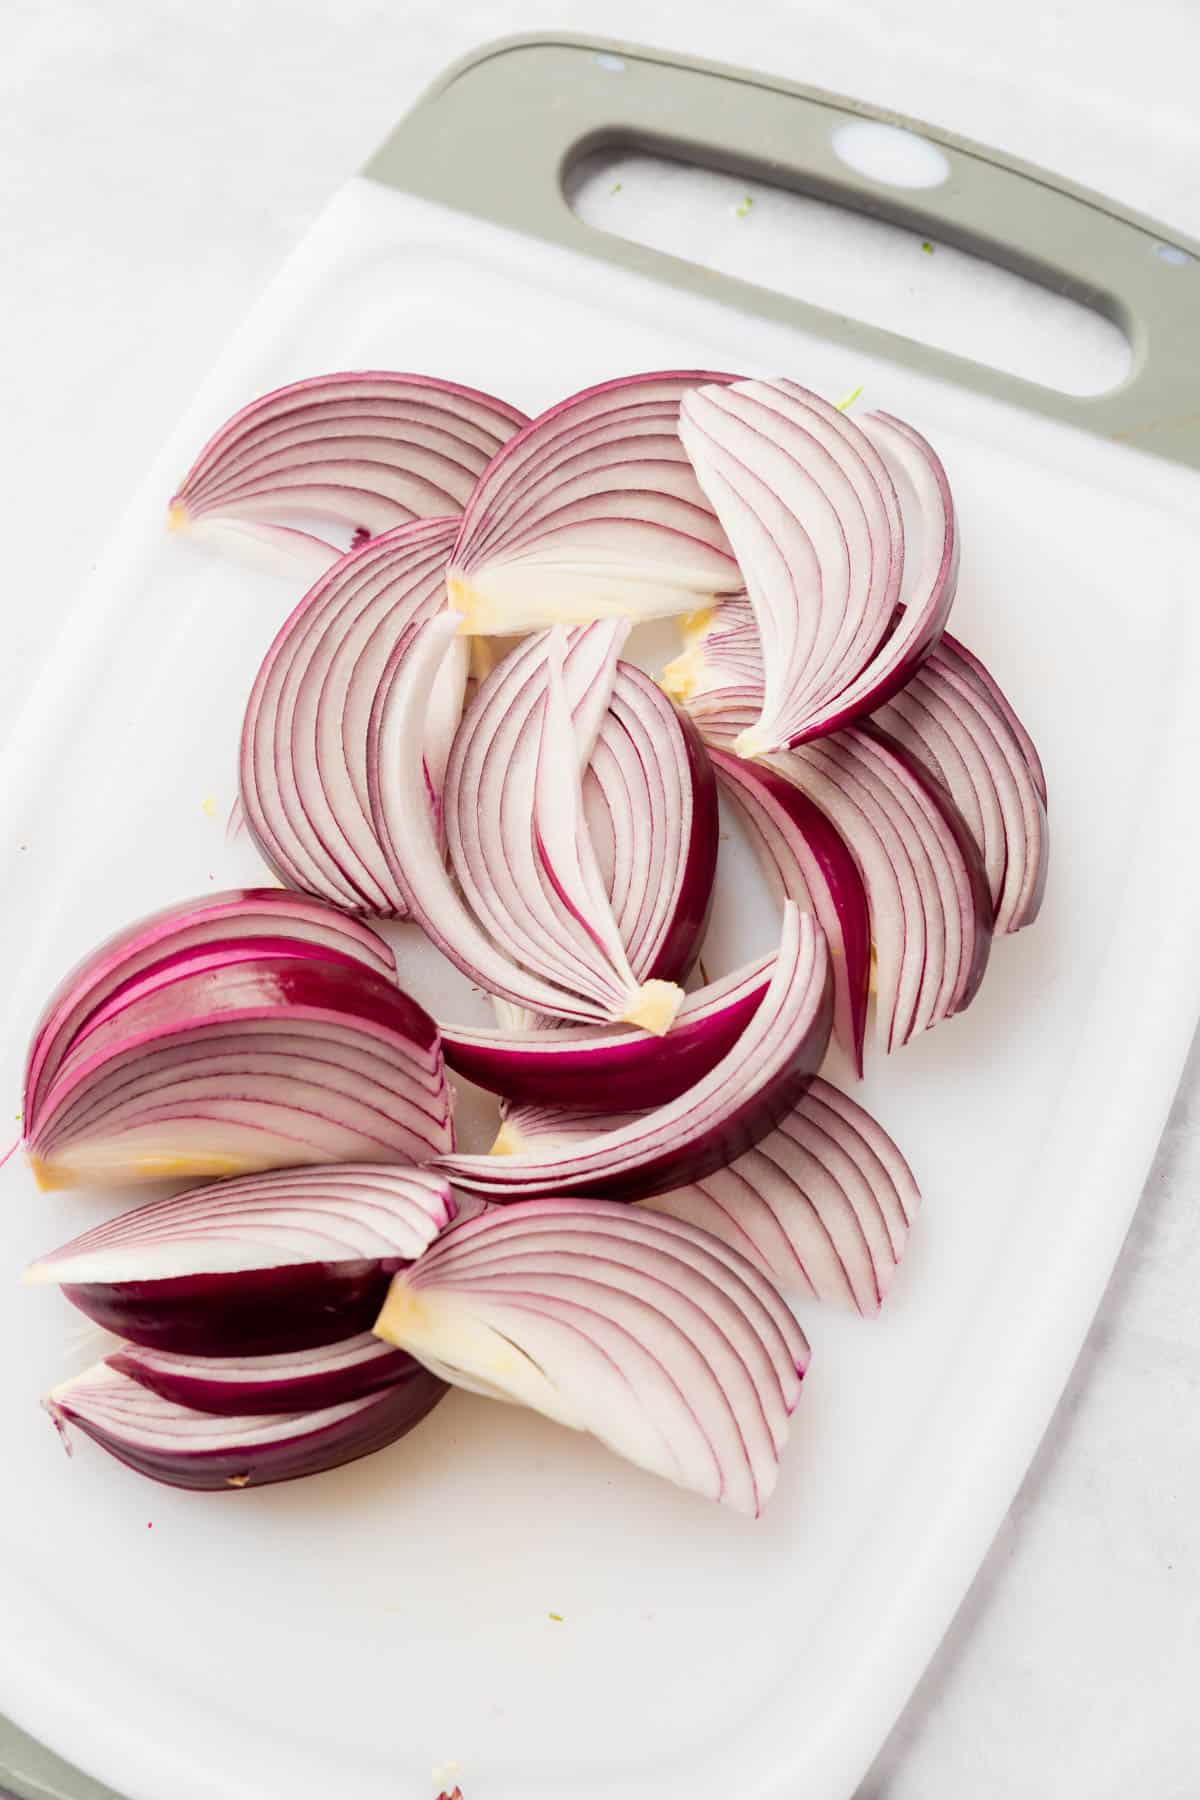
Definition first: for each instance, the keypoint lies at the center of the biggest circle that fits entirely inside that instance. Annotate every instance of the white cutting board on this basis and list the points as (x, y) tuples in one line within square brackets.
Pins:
[(341, 1636)]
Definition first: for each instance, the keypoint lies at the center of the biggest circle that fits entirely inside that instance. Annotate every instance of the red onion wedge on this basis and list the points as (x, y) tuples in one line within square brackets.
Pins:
[(188, 1449), (931, 912), (306, 737), (822, 1205), (725, 1112), (260, 1266), (544, 937), (961, 731), (722, 652), (601, 1068), (366, 450), (670, 1348), (807, 497), (592, 511), (293, 1381), (805, 858), (230, 1054)]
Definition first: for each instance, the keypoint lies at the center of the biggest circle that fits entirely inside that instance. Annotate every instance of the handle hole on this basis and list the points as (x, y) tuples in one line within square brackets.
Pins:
[(888, 154), (907, 281)]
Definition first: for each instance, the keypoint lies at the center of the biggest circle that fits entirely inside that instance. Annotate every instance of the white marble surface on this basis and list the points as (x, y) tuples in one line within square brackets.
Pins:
[(157, 161)]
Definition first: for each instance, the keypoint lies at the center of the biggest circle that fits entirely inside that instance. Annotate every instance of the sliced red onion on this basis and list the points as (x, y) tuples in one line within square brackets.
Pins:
[(293, 1381), (655, 1337), (931, 913), (805, 858), (957, 657), (188, 1449), (231, 1055), (267, 1264), (533, 1129), (726, 1111), (537, 875), (592, 511), (368, 450), (823, 1205), (807, 498), (601, 1068), (950, 724), (305, 740), (722, 650)]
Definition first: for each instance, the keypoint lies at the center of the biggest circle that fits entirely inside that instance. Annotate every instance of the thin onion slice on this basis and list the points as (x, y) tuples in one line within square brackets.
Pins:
[(270, 1263), (725, 1112), (306, 736), (187, 1449), (822, 1206), (592, 511), (602, 1068), (805, 858), (807, 498), (954, 721), (931, 912), (291, 1381), (365, 450), (654, 1337)]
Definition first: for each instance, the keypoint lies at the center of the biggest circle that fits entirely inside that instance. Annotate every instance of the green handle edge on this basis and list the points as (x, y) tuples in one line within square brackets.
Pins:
[(498, 132)]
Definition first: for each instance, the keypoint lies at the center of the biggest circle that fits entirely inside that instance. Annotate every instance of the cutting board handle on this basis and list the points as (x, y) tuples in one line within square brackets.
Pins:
[(498, 133)]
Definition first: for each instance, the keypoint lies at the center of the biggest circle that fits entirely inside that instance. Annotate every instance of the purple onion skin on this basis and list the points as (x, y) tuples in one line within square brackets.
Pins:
[(383, 1420), (694, 1158), (249, 1312), (682, 940), (981, 895), (648, 1072), (304, 1393)]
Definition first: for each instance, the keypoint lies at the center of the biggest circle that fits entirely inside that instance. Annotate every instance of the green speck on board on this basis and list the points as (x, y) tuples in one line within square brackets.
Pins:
[(741, 210)]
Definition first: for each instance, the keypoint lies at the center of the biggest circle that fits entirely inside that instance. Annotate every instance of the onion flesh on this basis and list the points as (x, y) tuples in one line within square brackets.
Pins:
[(289, 1382)]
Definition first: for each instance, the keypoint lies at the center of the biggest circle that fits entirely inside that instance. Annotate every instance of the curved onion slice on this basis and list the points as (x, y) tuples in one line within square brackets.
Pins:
[(931, 913), (305, 739), (822, 1205), (807, 498), (586, 1066), (655, 1337), (721, 650), (805, 859), (266, 1264), (368, 450), (953, 726), (730, 1108), (291, 1382), (410, 844), (592, 511), (233, 1055), (237, 914), (188, 1449)]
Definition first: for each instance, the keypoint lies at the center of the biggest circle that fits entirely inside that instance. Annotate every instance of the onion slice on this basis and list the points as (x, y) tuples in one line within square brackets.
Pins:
[(202, 1046), (601, 1068), (365, 450), (954, 721), (725, 1112), (592, 511), (263, 1265), (671, 1349), (805, 858), (808, 500), (188, 1449), (822, 1206), (306, 736), (293, 1381)]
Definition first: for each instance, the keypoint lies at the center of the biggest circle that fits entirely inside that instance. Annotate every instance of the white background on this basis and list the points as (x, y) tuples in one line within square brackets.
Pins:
[(157, 162)]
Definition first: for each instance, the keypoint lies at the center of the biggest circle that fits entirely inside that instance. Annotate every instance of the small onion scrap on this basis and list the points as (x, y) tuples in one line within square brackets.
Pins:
[(365, 450), (592, 511), (234, 1033), (260, 1266), (654, 1337), (740, 1099), (184, 1448)]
